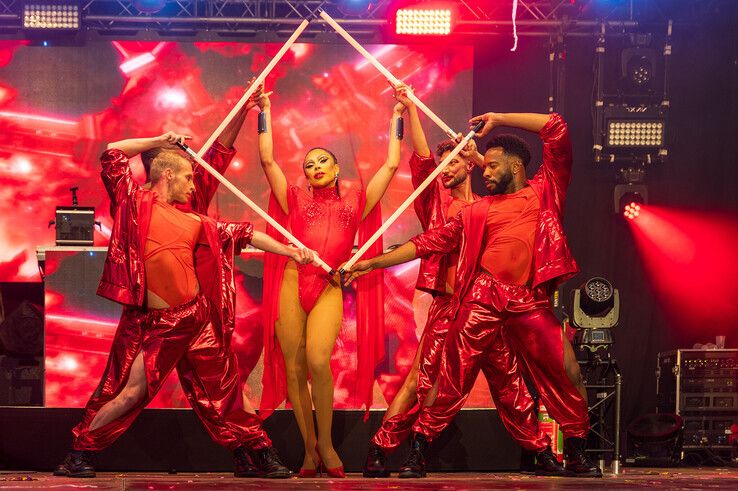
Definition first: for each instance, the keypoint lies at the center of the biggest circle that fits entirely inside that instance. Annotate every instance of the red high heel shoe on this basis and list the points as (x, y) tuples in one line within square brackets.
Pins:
[(309, 473), (336, 472)]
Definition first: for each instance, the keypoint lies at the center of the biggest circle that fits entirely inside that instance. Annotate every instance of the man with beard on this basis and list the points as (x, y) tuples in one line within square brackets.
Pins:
[(512, 255), (437, 273)]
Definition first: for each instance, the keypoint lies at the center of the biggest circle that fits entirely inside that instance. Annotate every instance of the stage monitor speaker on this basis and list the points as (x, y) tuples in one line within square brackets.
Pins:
[(22, 332), (655, 440)]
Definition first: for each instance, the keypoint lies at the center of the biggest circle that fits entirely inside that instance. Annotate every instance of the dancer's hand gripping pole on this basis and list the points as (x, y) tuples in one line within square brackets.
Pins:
[(252, 88), (428, 180), (395, 81), (252, 205)]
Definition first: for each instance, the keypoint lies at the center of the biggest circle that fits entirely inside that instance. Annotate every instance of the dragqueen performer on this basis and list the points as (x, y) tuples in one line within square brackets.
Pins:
[(307, 316), (434, 208), (173, 272), (512, 255)]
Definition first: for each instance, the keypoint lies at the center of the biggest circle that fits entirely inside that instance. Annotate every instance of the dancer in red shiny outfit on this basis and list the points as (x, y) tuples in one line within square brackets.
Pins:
[(512, 254), (434, 208), (162, 321)]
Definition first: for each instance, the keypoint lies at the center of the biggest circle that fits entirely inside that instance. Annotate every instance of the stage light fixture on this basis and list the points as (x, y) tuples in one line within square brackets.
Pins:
[(629, 196), (354, 7), (639, 68), (150, 6), (596, 309), (635, 127), (423, 21), (62, 16)]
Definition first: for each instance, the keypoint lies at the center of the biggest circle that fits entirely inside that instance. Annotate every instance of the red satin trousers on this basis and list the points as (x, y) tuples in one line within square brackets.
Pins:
[(493, 320), (185, 338)]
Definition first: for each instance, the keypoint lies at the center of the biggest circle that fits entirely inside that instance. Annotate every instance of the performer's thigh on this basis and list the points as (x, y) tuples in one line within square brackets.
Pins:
[(126, 345), (469, 338), (290, 326), (323, 325), (538, 338), (434, 339), (167, 335)]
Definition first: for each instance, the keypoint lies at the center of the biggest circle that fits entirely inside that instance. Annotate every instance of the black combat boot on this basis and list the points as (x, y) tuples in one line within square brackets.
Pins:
[(77, 463), (548, 465), (414, 465), (578, 464), (374, 465)]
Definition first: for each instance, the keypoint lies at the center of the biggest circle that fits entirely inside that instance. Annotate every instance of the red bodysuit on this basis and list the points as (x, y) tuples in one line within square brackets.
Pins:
[(508, 237), (169, 254), (326, 223)]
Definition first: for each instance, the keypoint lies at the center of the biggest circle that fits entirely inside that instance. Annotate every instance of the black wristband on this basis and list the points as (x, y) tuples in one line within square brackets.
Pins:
[(400, 128), (261, 125)]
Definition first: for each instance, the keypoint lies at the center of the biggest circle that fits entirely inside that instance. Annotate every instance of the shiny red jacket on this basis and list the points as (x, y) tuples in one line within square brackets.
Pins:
[(123, 278), (552, 258), (431, 208)]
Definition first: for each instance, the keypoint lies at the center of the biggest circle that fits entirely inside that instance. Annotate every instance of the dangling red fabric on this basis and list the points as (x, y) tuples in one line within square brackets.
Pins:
[(327, 223)]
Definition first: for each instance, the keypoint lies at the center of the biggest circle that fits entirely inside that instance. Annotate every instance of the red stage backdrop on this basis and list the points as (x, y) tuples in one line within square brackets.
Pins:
[(59, 106)]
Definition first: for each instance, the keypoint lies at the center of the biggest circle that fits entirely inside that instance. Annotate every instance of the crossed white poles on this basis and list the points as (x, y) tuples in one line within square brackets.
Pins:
[(197, 156)]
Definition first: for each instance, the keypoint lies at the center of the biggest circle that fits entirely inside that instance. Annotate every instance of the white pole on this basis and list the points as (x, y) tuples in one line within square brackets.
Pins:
[(252, 88), (395, 81), (252, 205), (411, 198)]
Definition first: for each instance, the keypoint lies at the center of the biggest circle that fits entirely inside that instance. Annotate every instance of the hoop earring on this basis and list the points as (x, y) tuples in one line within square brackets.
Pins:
[(335, 181)]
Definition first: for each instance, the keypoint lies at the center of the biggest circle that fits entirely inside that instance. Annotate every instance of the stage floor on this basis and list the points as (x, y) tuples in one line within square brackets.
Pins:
[(630, 478)]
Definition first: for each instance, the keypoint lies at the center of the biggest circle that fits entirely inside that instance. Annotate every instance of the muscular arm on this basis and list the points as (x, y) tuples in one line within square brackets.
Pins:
[(272, 171), (526, 121), (134, 146), (442, 239), (380, 181), (265, 243), (406, 252), (417, 135), (231, 131)]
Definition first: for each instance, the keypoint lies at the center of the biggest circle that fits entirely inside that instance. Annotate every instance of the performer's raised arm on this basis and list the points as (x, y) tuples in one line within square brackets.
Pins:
[(272, 171), (229, 134), (133, 146), (553, 131), (417, 135), (380, 181)]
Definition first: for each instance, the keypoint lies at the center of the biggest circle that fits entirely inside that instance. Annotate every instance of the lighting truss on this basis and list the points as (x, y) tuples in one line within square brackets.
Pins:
[(275, 18)]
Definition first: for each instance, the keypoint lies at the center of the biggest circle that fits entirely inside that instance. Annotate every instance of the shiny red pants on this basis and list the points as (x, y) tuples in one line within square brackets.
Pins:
[(185, 338), (512, 399), (491, 316)]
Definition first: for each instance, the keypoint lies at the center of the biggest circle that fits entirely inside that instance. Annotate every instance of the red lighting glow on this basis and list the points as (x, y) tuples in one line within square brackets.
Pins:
[(423, 21), (692, 266)]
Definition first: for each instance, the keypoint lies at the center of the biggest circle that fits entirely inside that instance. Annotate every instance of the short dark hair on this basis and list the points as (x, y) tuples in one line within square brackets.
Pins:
[(512, 146), (333, 156), (147, 157), (445, 146)]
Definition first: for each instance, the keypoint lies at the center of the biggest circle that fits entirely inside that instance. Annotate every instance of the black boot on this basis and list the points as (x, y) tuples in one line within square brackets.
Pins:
[(243, 466), (548, 465), (268, 464), (374, 465), (76, 464), (578, 464), (414, 465)]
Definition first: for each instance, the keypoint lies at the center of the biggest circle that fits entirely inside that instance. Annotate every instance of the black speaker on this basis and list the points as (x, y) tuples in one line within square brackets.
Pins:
[(22, 332), (655, 440)]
